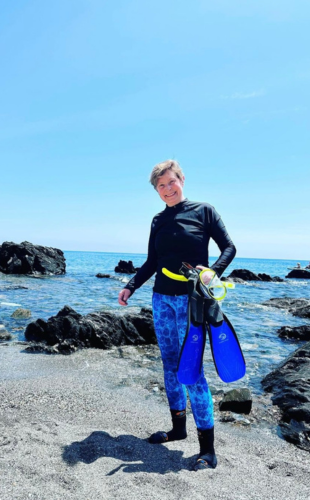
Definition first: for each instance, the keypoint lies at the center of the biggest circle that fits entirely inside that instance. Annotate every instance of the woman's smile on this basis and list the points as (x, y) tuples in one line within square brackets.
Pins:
[(170, 188)]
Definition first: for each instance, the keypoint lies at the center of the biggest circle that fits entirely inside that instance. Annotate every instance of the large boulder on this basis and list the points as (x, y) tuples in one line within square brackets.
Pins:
[(69, 330), (237, 401), (290, 385), (297, 307), (299, 274), (26, 258)]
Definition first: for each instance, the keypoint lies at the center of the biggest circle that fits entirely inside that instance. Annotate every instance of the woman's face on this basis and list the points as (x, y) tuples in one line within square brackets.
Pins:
[(170, 188)]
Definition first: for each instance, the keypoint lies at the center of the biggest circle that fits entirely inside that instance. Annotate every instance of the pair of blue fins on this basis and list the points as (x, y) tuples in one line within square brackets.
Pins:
[(205, 315)]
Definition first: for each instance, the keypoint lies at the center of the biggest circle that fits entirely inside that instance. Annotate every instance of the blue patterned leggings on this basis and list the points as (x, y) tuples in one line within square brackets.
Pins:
[(170, 321)]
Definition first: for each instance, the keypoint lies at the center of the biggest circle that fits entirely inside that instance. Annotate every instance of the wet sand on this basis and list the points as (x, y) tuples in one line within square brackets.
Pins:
[(75, 427)]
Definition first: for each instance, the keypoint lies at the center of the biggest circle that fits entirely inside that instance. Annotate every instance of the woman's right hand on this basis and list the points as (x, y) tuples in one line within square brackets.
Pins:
[(123, 296)]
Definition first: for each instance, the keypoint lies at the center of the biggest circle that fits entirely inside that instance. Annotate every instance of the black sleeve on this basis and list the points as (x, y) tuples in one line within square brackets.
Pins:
[(148, 268), (220, 236)]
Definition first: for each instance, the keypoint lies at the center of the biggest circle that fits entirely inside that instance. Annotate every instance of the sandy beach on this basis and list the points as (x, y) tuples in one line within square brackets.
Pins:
[(75, 427)]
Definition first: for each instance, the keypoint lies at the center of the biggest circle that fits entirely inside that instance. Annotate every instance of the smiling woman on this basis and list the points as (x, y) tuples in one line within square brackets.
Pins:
[(168, 179), (180, 233)]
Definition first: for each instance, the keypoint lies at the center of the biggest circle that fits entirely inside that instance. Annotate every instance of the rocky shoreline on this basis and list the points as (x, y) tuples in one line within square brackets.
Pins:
[(70, 331)]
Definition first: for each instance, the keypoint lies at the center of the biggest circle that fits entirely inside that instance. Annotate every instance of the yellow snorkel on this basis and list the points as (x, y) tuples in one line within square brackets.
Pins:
[(216, 289)]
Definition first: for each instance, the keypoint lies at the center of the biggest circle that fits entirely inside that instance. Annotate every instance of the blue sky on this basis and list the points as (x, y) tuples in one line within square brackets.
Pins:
[(94, 93)]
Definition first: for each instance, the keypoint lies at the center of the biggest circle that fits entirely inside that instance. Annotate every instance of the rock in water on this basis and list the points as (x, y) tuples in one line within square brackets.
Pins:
[(245, 275), (299, 274), (290, 384), (69, 330), (27, 258), (295, 332), (21, 313), (125, 267), (266, 277), (297, 307)]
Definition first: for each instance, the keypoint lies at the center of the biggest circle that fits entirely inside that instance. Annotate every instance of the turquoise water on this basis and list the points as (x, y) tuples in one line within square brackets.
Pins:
[(255, 324)]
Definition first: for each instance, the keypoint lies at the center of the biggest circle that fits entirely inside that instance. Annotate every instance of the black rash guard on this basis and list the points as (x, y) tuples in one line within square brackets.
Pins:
[(181, 234)]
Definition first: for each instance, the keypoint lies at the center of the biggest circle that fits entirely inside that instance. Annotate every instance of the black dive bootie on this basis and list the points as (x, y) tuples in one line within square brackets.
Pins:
[(177, 432), (207, 458)]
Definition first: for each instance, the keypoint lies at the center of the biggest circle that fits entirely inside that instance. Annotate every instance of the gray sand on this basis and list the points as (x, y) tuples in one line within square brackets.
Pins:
[(75, 427)]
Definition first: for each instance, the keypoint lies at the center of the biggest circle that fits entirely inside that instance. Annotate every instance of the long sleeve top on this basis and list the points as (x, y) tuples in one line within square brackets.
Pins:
[(181, 234)]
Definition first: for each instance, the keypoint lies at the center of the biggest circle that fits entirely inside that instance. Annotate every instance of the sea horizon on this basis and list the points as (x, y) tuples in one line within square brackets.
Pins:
[(210, 256)]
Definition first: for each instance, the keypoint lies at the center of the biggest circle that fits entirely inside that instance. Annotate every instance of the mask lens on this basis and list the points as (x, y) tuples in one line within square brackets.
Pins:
[(217, 292)]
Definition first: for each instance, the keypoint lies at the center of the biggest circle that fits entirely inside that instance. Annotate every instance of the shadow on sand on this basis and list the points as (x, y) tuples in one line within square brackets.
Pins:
[(137, 454)]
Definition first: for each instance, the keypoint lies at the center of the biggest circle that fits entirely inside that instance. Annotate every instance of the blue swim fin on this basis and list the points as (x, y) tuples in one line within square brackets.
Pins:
[(204, 312), (226, 351), (191, 357)]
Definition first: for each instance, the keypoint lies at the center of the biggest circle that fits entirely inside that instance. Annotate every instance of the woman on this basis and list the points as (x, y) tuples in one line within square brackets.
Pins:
[(180, 233)]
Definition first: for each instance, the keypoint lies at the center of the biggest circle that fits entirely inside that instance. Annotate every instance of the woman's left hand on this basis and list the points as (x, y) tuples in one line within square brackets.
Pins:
[(207, 276)]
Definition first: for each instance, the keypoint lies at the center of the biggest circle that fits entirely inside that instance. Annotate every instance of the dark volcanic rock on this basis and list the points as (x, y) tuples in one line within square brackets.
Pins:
[(247, 275), (298, 307), (266, 277), (4, 334), (295, 332), (237, 401), (109, 276), (27, 258), (69, 330), (297, 433), (126, 267), (290, 384), (244, 274), (299, 274)]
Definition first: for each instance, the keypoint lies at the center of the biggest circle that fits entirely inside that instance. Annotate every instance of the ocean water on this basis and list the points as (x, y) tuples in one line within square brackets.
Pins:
[(255, 324)]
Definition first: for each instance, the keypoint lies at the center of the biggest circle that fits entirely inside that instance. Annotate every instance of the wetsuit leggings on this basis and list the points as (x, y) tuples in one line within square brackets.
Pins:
[(170, 321)]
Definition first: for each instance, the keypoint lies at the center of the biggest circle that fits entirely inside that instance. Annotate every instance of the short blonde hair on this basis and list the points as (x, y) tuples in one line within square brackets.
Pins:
[(161, 168)]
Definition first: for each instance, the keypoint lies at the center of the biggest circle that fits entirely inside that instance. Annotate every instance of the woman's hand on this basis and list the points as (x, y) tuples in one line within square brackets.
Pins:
[(207, 276), (123, 296)]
